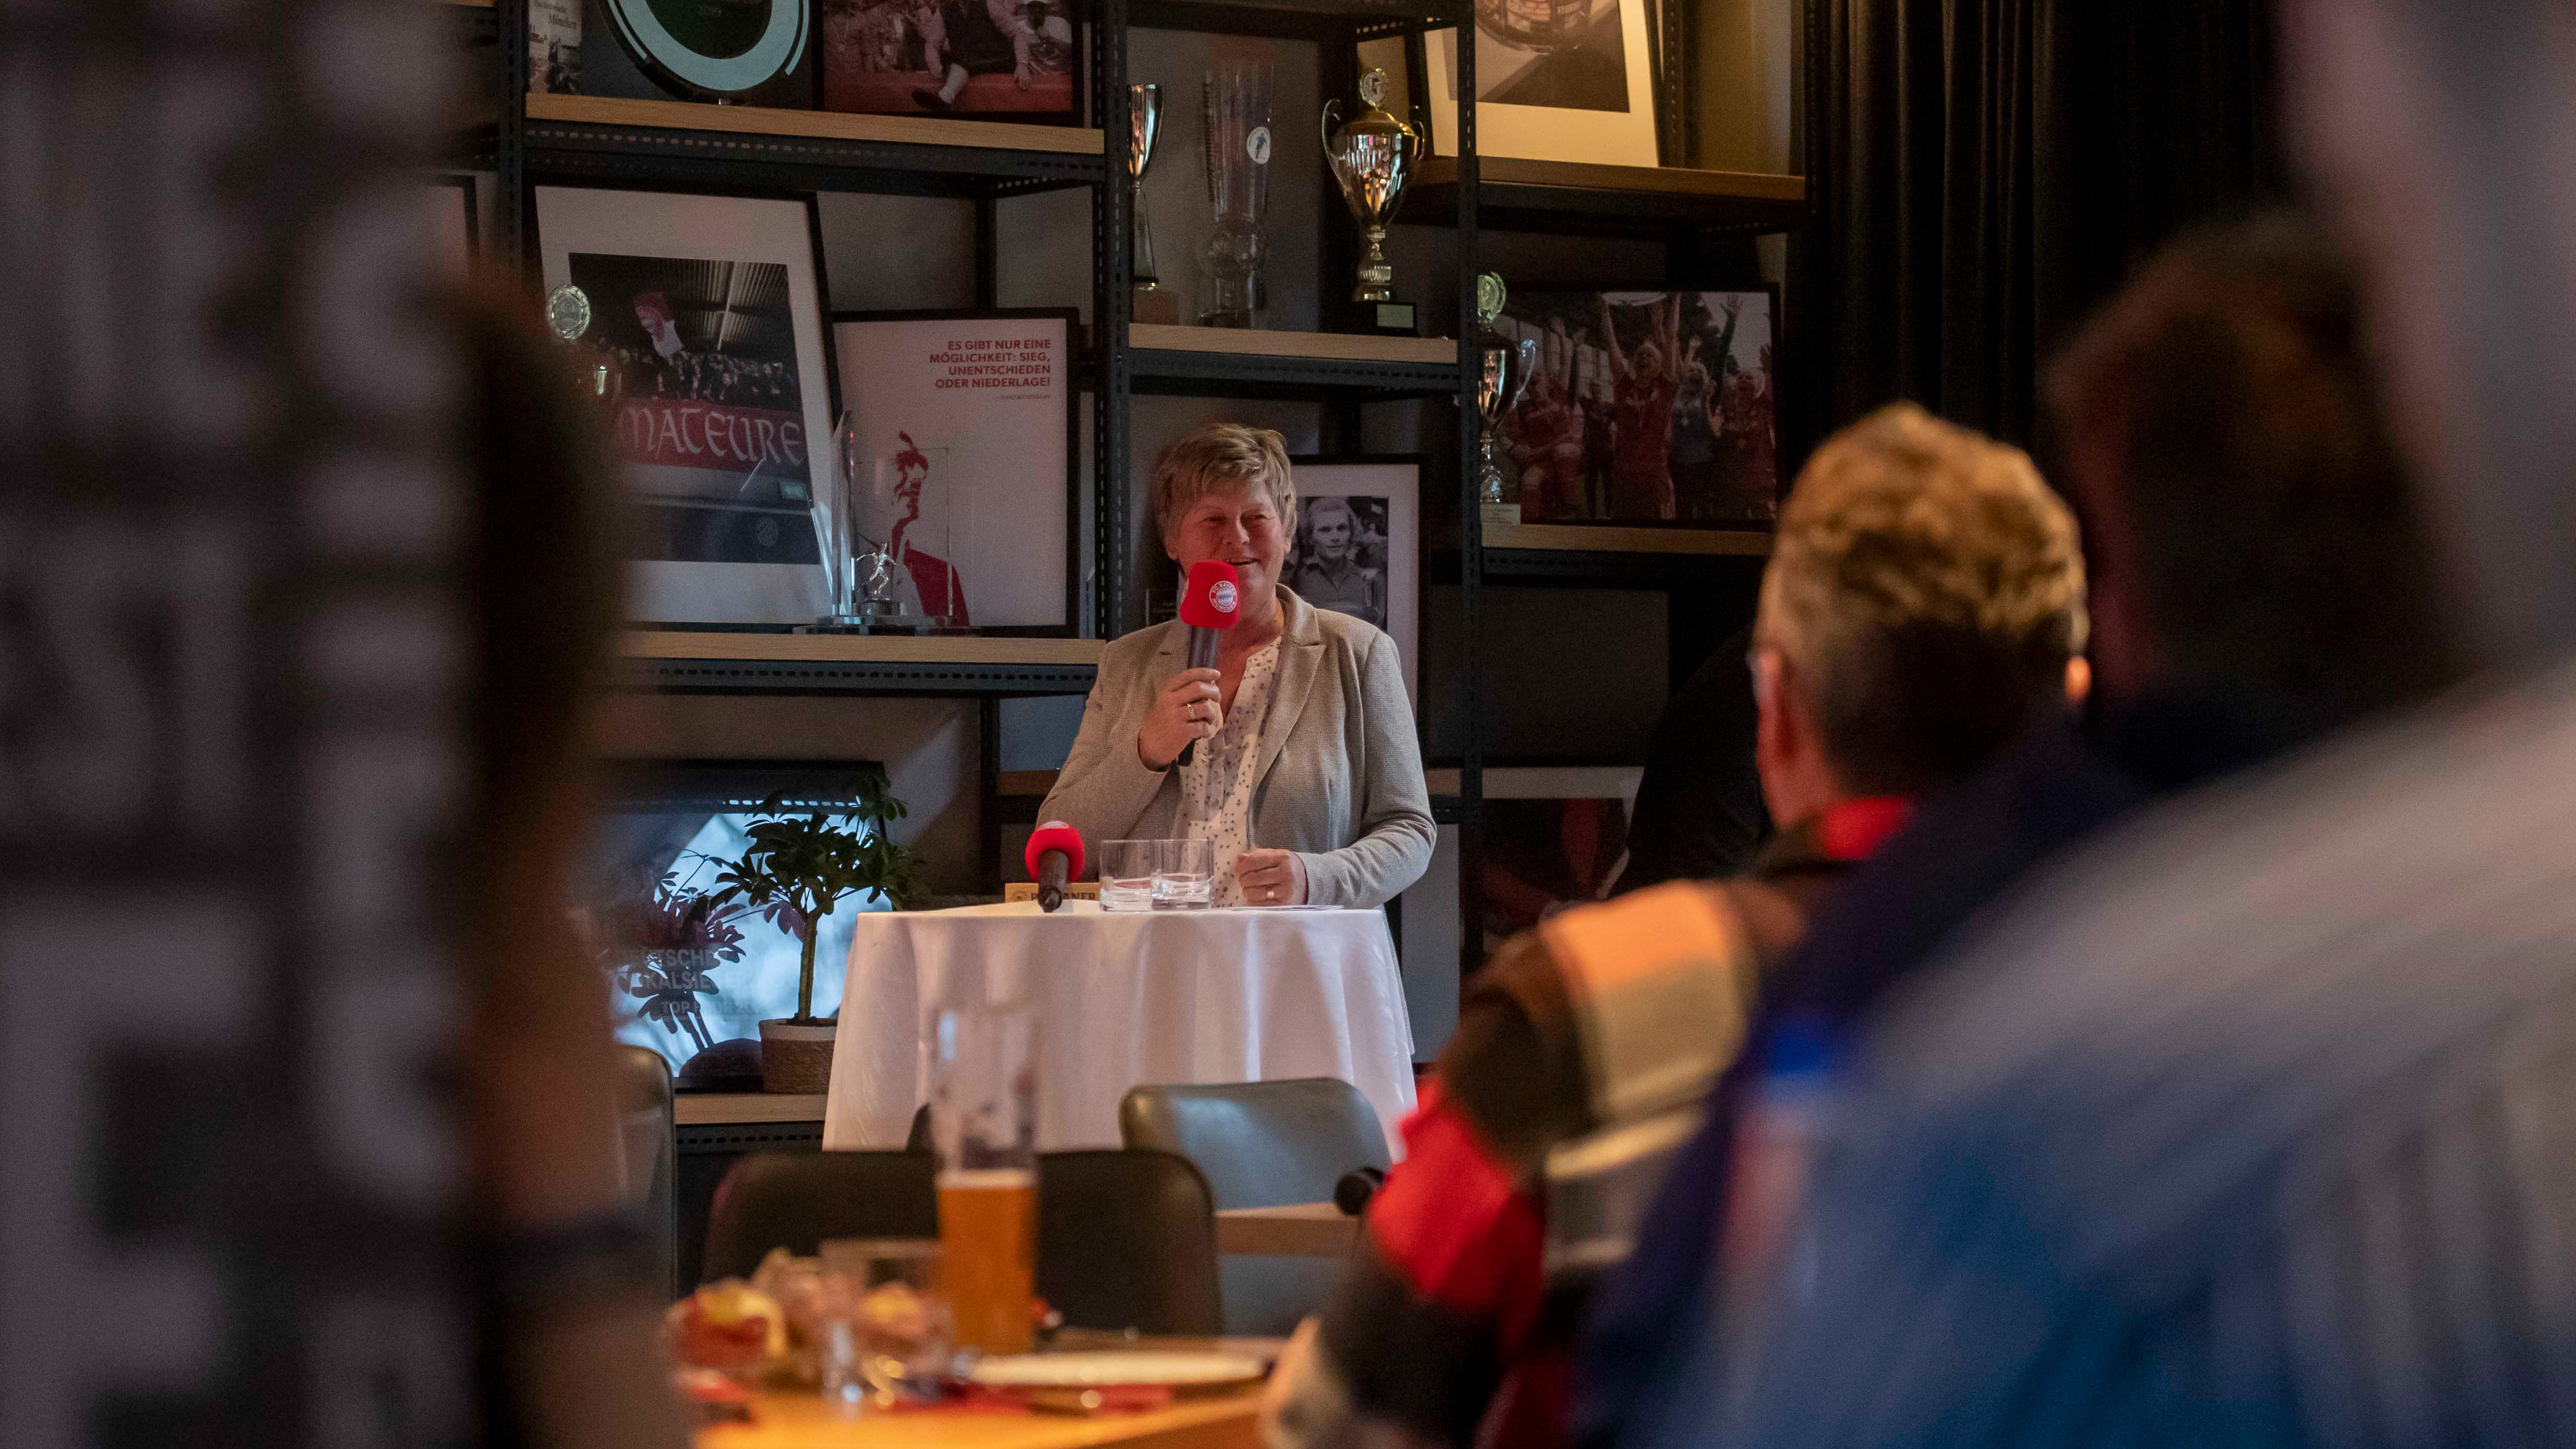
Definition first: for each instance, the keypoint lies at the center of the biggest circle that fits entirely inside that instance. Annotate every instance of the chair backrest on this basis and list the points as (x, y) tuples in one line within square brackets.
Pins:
[(795, 1200), (649, 1152), (1263, 1144), (1127, 1240)]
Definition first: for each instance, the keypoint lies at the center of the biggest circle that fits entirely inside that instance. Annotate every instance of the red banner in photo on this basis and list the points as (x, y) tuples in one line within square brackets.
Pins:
[(678, 434)]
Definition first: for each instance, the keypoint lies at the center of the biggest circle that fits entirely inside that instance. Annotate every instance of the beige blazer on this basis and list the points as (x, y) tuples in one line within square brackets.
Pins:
[(1340, 779)]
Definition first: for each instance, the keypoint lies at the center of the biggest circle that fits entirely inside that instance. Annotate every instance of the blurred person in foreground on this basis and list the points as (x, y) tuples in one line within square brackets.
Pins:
[(565, 1277), (2260, 576), (2249, 1125), (1923, 601)]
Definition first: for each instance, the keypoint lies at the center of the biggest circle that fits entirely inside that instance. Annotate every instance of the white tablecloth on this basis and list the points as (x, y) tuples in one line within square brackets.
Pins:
[(1122, 999)]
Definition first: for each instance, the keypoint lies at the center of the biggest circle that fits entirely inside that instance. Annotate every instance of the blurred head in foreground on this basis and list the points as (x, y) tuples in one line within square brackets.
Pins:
[(1924, 596), (570, 1308), (2251, 529), (2440, 135)]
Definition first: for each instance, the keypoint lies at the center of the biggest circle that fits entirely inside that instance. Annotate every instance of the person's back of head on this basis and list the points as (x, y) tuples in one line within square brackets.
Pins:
[(2251, 526), (1925, 593)]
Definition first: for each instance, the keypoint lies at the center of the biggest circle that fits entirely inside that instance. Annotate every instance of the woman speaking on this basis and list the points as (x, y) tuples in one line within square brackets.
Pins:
[(1306, 774)]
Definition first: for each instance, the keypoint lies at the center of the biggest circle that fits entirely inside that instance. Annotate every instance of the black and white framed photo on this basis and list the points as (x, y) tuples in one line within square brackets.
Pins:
[(1357, 546), (1556, 80), (707, 313), (962, 427)]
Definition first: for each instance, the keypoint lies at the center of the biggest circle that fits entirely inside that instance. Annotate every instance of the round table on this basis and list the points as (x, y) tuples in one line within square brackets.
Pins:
[(1121, 999)]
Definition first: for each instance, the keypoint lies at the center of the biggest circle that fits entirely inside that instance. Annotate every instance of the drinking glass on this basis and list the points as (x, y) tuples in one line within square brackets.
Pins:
[(1185, 876), (1127, 874), (887, 1335), (983, 1117)]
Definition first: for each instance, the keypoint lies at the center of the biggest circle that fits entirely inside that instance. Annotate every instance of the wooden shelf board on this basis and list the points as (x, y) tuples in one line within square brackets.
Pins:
[(1576, 175), (1611, 538), (852, 648), (815, 125), (1318, 346), (717, 1109)]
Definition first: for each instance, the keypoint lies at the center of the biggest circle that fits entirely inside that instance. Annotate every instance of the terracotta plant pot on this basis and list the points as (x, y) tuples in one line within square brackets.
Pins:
[(796, 1058)]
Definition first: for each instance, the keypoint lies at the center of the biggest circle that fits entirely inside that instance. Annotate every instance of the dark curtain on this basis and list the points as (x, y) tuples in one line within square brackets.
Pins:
[(1992, 168)]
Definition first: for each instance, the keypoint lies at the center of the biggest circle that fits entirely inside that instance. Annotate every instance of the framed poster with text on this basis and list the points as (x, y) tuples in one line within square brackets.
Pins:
[(961, 438)]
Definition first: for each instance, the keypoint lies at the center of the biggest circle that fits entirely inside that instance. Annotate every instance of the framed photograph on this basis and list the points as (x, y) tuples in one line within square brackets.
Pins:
[(964, 426), (997, 59), (447, 202), (1357, 548), (1556, 80), (707, 314), (1646, 408)]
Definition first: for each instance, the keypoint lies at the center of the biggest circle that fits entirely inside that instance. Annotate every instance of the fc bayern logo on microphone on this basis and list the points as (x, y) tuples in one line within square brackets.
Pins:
[(1221, 596)]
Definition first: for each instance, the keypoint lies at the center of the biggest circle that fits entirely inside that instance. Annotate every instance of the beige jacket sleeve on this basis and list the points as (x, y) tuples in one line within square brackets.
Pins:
[(1392, 799)]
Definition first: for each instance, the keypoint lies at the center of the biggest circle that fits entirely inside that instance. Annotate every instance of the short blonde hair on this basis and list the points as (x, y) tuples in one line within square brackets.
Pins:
[(1223, 455), (1929, 589)]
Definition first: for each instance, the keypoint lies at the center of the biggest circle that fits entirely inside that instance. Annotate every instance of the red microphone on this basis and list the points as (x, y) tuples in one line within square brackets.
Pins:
[(1208, 602), (1054, 856)]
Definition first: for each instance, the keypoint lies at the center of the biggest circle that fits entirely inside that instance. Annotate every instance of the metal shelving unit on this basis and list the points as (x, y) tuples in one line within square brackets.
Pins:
[(605, 141)]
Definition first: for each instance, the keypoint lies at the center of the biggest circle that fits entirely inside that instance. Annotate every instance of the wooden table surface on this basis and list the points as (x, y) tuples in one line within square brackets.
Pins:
[(1300, 1230), (1222, 1420)]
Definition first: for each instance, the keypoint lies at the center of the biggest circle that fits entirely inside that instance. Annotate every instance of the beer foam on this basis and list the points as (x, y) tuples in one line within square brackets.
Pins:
[(987, 1179)]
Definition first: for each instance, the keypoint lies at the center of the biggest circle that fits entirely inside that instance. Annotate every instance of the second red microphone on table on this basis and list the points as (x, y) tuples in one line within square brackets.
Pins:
[(1054, 856), (1208, 603)]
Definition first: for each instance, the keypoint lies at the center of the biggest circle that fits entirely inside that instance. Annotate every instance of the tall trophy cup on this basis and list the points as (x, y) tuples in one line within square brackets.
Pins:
[(1144, 128), (1372, 159), (1503, 368)]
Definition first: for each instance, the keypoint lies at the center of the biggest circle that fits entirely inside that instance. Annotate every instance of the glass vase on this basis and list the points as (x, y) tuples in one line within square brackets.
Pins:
[(1234, 291)]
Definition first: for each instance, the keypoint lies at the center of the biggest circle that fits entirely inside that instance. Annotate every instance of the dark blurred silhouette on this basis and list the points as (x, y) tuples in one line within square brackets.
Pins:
[(2259, 576), (2249, 1124), (567, 1282), (1924, 597), (1699, 811)]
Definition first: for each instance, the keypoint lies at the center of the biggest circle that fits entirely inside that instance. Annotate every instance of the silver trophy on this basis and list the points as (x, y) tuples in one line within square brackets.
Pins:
[(1504, 365), (1372, 159), (1144, 128)]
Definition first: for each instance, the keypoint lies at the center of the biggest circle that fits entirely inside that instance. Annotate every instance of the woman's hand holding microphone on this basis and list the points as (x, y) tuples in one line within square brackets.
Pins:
[(1186, 710)]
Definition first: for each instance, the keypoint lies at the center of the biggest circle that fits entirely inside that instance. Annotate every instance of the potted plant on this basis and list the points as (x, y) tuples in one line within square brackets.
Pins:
[(798, 866)]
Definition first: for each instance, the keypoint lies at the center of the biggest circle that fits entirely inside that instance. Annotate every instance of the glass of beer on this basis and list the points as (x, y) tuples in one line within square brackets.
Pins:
[(983, 1117)]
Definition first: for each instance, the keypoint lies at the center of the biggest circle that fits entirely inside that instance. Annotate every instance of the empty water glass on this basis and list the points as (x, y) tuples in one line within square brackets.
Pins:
[(887, 1333), (1185, 876), (1127, 874)]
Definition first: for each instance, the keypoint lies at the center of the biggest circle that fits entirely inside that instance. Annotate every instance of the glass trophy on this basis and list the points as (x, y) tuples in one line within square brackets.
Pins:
[(1238, 177), (866, 539)]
